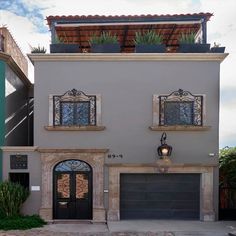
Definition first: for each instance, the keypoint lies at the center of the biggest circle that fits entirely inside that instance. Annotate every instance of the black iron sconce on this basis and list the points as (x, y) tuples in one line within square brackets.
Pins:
[(164, 150)]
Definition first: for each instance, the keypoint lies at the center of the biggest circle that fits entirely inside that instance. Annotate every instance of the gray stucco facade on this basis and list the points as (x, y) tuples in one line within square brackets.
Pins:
[(126, 84), (126, 88)]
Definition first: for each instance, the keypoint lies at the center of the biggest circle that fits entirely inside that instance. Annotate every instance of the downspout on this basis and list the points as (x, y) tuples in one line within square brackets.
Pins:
[(53, 32), (28, 123), (204, 31)]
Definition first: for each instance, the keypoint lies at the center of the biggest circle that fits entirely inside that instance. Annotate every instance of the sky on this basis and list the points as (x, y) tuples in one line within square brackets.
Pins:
[(26, 21)]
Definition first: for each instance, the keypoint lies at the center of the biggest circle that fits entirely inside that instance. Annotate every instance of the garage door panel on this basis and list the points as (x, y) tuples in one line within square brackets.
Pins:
[(191, 205), (144, 205), (171, 196), (157, 205), (161, 214), (184, 214), (135, 187), (158, 187), (160, 196), (146, 215), (134, 196)]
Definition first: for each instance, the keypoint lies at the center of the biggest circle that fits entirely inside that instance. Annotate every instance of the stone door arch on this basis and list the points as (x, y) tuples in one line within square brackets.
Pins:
[(94, 157)]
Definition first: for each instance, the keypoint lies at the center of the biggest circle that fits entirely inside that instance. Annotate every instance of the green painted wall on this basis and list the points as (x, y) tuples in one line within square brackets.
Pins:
[(2, 111)]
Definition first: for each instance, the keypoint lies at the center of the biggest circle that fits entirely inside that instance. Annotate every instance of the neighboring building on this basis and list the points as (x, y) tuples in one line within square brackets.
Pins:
[(98, 119), (16, 106)]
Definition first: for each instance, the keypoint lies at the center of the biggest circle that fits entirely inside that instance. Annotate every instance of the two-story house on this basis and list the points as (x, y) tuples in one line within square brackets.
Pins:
[(99, 118)]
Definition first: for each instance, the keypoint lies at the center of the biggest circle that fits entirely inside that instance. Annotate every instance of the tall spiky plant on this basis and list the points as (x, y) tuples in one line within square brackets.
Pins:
[(187, 38), (12, 196), (148, 38), (104, 38)]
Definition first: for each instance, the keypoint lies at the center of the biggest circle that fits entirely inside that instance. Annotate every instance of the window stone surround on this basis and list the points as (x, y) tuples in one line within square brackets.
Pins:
[(94, 157), (207, 212), (156, 123), (98, 114)]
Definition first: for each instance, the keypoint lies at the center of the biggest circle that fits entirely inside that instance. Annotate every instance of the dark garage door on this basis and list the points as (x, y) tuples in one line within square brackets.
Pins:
[(159, 196)]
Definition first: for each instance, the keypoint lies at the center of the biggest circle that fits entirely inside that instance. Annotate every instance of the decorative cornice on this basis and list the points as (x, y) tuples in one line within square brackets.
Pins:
[(10, 61), (72, 150), (19, 148), (156, 164), (128, 57)]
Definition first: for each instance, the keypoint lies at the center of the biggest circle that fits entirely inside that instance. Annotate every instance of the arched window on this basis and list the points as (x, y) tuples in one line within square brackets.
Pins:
[(72, 165)]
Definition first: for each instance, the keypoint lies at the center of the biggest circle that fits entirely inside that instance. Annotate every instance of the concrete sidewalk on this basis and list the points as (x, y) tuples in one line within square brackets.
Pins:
[(175, 228), (132, 228)]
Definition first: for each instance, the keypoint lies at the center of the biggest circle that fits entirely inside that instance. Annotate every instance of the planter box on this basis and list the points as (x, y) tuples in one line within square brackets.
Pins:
[(105, 48), (64, 48), (194, 48), (218, 49), (142, 48)]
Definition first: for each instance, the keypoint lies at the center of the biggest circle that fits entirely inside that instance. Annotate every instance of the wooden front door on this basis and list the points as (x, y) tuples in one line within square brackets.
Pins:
[(72, 190)]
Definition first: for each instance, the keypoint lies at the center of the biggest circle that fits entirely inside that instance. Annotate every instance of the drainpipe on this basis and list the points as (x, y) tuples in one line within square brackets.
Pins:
[(53, 32), (28, 123), (204, 31)]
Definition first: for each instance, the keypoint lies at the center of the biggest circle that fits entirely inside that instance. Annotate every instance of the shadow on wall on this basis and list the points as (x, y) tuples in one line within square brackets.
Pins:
[(19, 119)]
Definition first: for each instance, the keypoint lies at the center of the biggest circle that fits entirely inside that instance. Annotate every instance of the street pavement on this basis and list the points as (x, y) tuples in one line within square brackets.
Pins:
[(132, 228)]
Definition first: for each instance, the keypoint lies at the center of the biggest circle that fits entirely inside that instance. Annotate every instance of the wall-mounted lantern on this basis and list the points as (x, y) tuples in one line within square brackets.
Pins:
[(164, 150)]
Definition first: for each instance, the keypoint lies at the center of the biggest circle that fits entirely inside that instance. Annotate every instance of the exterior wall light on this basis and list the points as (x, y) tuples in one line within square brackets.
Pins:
[(164, 150)]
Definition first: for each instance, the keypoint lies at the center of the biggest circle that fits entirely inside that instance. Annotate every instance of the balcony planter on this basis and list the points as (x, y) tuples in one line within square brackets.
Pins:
[(64, 48), (218, 49), (149, 42), (194, 48), (105, 48), (145, 48), (104, 43)]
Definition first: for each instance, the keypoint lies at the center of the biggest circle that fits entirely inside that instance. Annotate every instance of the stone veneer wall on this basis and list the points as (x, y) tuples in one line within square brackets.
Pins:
[(207, 212), (94, 157), (10, 47)]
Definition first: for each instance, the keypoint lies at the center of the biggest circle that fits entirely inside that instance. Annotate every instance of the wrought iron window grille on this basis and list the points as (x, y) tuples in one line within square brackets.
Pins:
[(74, 108), (181, 108), (72, 165)]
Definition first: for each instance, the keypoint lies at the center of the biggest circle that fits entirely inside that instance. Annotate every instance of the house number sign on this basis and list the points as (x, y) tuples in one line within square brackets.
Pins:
[(113, 155), (18, 161)]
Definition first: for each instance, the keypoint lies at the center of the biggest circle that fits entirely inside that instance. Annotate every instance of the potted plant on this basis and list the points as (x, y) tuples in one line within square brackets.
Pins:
[(149, 42), (105, 43), (62, 45), (217, 49), (38, 49), (187, 44)]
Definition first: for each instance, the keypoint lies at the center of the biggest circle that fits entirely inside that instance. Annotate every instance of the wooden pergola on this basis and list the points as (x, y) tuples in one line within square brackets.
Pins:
[(79, 29)]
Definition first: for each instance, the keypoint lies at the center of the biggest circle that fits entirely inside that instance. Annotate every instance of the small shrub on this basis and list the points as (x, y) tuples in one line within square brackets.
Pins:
[(2, 214), (148, 38), (21, 222), (104, 38), (38, 49), (227, 162), (12, 196), (187, 38)]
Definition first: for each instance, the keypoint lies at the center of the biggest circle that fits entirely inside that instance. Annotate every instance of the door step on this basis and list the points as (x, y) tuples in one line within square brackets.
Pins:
[(71, 221)]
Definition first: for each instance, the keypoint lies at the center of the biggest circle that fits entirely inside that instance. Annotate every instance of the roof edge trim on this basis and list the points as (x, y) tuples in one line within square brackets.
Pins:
[(127, 57)]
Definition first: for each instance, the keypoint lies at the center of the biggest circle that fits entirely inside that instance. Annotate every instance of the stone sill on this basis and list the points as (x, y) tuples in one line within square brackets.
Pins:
[(74, 128), (180, 128)]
